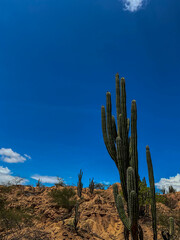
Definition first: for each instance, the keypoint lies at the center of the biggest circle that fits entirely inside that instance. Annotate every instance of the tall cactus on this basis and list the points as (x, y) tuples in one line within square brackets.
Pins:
[(79, 184), (152, 191), (123, 150)]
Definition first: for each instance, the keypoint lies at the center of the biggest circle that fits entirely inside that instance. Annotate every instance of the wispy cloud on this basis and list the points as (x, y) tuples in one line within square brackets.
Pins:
[(45, 179), (9, 156), (7, 178), (133, 5), (105, 182), (166, 182), (27, 156)]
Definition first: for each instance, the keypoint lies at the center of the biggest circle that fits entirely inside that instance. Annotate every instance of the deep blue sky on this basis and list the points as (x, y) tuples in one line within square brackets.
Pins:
[(57, 60)]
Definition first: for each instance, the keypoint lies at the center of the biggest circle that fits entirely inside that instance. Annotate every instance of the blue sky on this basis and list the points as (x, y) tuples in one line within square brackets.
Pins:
[(57, 60)]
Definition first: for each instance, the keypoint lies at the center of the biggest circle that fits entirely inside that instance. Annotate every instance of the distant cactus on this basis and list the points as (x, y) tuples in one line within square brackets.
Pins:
[(91, 186), (76, 216), (79, 184), (123, 150), (171, 189)]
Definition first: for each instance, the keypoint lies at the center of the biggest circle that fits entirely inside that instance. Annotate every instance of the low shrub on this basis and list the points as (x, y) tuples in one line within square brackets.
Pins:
[(11, 218), (64, 198)]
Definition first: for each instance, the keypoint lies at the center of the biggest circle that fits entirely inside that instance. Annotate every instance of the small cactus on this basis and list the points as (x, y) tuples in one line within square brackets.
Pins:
[(91, 186), (79, 184), (76, 217)]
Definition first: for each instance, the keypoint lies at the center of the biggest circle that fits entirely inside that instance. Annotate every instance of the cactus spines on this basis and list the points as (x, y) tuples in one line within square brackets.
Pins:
[(109, 124), (79, 185), (152, 191), (105, 135)]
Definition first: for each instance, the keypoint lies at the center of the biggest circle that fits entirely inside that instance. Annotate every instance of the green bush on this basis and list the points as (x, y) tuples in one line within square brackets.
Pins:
[(64, 198), (162, 220), (161, 198), (11, 218), (6, 189)]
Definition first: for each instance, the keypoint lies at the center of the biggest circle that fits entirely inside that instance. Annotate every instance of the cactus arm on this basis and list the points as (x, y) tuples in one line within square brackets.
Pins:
[(131, 180), (121, 167), (133, 212), (133, 207), (134, 154), (132, 202), (109, 124), (152, 189), (124, 128), (118, 104), (121, 212), (105, 136), (123, 99), (171, 226)]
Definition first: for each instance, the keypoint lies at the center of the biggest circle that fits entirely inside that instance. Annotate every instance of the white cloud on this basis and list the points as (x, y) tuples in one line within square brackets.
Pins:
[(27, 156), (4, 170), (166, 182), (7, 178), (9, 156), (45, 179), (133, 5)]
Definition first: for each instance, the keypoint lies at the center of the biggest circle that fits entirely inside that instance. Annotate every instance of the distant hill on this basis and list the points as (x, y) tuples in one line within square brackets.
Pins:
[(37, 217)]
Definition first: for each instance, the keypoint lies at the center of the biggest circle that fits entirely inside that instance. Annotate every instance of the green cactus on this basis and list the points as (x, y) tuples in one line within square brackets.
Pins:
[(131, 221), (171, 226), (76, 217), (79, 185), (152, 192), (123, 150), (91, 186)]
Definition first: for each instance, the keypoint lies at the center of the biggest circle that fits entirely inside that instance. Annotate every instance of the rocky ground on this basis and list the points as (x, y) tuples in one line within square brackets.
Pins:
[(98, 216)]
